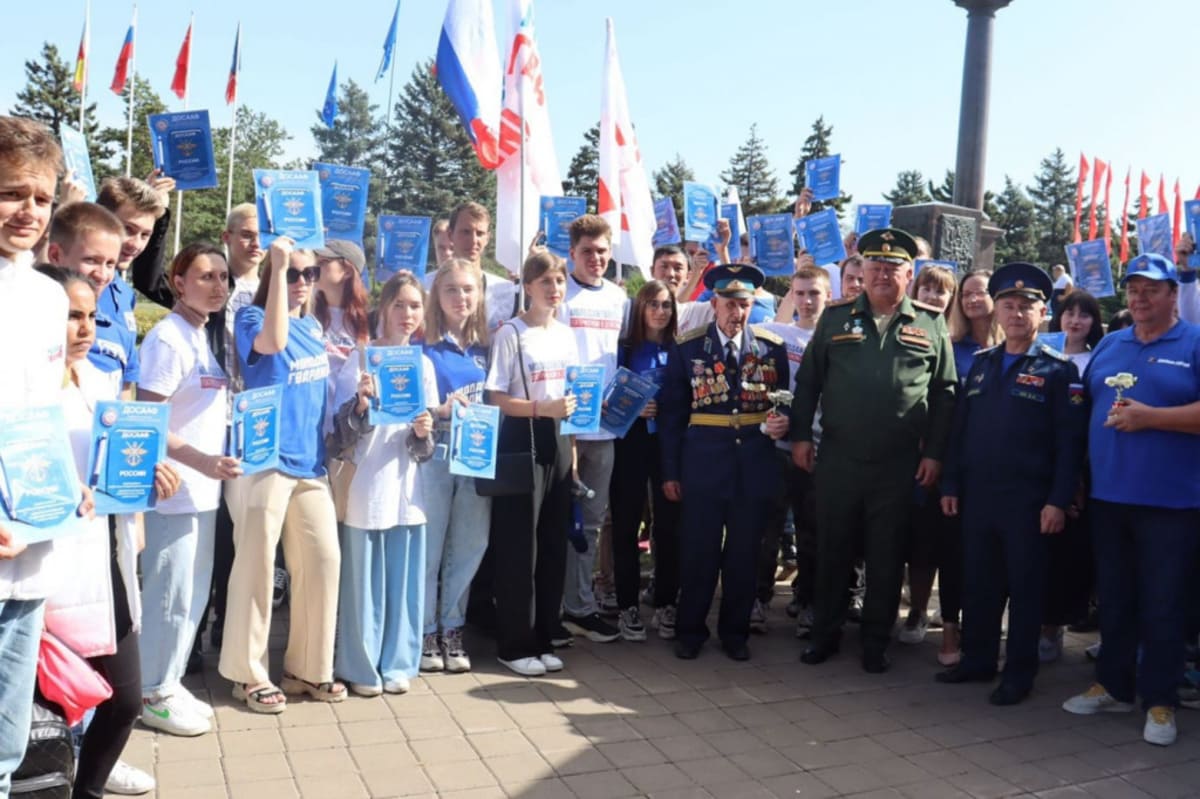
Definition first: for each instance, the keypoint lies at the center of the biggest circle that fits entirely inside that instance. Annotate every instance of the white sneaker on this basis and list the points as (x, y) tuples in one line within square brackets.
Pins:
[(363, 689), (431, 653), (915, 633), (173, 714), (127, 780), (664, 620), (1095, 700), (200, 706), (397, 685), (551, 661), (1160, 726), (758, 617), (454, 656), (526, 667), (1050, 649), (630, 624)]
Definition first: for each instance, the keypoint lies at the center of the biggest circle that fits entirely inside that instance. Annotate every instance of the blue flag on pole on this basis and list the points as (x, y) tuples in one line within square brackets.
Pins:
[(389, 44), (330, 109)]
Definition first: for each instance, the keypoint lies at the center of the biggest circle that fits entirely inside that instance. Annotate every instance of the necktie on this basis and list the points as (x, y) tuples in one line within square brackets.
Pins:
[(731, 361)]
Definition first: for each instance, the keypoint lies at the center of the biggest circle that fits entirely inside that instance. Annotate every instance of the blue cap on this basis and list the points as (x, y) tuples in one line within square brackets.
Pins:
[(734, 280), (1151, 266), (1022, 279)]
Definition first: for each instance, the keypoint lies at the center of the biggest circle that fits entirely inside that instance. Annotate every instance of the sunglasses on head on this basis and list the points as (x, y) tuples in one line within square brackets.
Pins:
[(311, 274)]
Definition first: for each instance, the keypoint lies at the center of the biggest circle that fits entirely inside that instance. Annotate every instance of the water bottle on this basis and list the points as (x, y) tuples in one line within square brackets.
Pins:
[(579, 492)]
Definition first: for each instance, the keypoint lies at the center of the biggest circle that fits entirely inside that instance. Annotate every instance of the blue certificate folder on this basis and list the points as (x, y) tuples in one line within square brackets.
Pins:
[(625, 398), (586, 384), (820, 235), (402, 243), (1090, 267), (343, 200), (254, 432), (1154, 235), (399, 384), (772, 243), (289, 204), (666, 230), (700, 211), (729, 211), (872, 217), (921, 263), (128, 440), (473, 432), (823, 176), (183, 149), (39, 488), (78, 161), (557, 214), (1191, 213)]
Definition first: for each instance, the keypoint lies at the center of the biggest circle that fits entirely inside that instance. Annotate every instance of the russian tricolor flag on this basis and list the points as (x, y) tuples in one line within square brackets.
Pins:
[(468, 68), (234, 68), (124, 59)]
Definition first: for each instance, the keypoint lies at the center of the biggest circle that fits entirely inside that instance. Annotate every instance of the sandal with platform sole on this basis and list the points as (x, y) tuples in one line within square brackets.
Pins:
[(254, 699), (322, 692)]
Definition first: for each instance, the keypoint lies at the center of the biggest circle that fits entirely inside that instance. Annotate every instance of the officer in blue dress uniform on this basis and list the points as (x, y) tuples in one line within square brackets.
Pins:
[(1013, 468), (718, 445)]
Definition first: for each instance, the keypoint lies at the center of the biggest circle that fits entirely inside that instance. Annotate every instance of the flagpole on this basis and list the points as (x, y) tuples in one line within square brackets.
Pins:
[(132, 84), (237, 57), (523, 244), (390, 114), (187, 92), (87, 19)]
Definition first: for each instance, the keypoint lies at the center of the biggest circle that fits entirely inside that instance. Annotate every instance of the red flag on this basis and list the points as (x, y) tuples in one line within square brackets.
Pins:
[(1175, 228), (234, 68), (1098, 173), (79, 81), (182, 62), (1083, 176), (1108, 210), (1124, 255), (121, 74), (1143, 197), (1163, 208)]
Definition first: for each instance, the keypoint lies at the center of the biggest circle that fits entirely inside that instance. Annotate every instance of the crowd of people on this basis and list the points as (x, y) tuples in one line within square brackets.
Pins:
[(914, 430)]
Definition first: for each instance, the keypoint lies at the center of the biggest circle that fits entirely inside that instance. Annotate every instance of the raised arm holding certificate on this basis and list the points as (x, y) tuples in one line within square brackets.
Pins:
[(128, 440), (872, 217), (624, 400), (289, 204), (473, 431), (586, 384), (700, 211), (399, 384), (773, 243), (730, 211), (254, 431), (1090, 267), (183, 149), (402, 243), (820, 235), (78, 161), (343, 200), (667, 230), (823, 176), (1154, 235), (1191, 213), (39, 489), (557, 215)]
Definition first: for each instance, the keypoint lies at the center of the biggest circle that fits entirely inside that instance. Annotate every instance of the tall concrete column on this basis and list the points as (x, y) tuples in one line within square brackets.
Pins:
[(973, 111)]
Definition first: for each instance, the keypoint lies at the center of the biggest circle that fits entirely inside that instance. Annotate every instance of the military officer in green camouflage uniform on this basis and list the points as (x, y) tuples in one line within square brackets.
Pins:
[(881, 369)]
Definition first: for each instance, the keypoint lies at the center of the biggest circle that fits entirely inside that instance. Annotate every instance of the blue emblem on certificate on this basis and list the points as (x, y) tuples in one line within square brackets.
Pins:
[(39, 488), (183, 149), (343, 200), (771, 243), (289, 204), (78, 161), (872, 217), (128, 441), (821, 237), (1154, 235), (822, 176), (1090, 267), (399, 385), (921, 263), (586, 384), (254, 432), (625, 399), (473, 432), (699, 211), (557, 214), (666, 229), (1191, 214), (402, 242)]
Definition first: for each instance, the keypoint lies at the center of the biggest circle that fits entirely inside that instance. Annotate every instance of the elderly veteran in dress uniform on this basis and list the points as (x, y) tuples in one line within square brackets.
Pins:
[(718, 432), (881, 368), (1012, 471)]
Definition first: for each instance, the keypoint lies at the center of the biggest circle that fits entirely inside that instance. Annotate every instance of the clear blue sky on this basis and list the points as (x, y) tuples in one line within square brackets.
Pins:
[(1106, 77)]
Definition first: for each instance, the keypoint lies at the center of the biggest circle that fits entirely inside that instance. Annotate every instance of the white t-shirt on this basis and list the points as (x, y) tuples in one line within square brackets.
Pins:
[(595, 315), (692, 315), (501, 297), (547, 351), (795, 340), (339, 344), (1064, 281), (1080, 359), (242, 295), (178, 364), (386, 489)]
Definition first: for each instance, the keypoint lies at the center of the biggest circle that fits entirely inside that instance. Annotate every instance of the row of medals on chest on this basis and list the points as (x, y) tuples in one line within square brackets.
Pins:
[(711, 385)]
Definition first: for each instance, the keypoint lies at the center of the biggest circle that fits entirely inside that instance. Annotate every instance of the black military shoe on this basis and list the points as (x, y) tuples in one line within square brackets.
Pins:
[(817, 654), (961, 674), (1007, 694), (875, 662), (686, 650), (737, 651)]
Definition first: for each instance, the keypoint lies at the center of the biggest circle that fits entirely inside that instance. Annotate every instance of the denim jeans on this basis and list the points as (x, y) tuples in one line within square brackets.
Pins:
[(456, 536), (176, 572), (379, 604), (20, 636), (595, 470)]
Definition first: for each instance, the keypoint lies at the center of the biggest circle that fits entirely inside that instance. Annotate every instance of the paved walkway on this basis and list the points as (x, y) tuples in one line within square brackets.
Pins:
[(631, 720)]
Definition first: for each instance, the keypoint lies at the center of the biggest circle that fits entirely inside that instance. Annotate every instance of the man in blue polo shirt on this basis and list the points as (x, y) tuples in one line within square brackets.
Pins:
[(1144, 449)]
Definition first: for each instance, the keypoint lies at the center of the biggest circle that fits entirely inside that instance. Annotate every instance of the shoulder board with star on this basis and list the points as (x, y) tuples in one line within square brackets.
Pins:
[(988, 350), (839, 303), (1046, 349), (766, 335), (927, 307), (694, 333)]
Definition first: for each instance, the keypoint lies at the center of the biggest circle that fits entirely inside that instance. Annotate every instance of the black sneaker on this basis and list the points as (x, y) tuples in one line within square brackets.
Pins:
[(594, 628), (562, 638), (280, 589)]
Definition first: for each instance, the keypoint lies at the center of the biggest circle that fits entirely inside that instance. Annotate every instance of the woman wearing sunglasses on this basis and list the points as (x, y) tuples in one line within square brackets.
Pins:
[(279, 344)]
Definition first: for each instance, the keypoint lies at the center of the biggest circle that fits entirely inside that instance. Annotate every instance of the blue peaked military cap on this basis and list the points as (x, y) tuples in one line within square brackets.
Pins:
[(1022, 279), (734, 280)]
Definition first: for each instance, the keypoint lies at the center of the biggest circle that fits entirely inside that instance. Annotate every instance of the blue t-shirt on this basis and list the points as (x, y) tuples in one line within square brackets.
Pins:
[(964, 356), (115, 348), (303, 369), (458, 371), (1149, 467)]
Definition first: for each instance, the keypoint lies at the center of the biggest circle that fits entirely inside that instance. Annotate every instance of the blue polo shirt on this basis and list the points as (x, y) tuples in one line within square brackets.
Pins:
[(117, 301), (458, 370), (303, 371), (115, 348), (1149, 467), (964, 356)]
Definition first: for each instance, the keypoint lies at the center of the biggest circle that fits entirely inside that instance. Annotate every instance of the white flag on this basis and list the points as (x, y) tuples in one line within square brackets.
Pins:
[(624, 199), (517, 211)]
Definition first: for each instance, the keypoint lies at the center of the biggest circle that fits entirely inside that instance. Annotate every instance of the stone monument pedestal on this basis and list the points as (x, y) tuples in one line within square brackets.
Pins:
[(955, 233)]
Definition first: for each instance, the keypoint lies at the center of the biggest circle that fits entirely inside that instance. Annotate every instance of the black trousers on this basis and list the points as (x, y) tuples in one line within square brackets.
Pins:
[(222, 566), (796, 494), (529, 543), (936, 543), (1071, 575), (636, 463)]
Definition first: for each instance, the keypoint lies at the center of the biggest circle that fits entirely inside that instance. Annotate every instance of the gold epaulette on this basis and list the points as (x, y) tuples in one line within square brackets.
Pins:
[(691, 334), (924, 306), (766, 335)]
